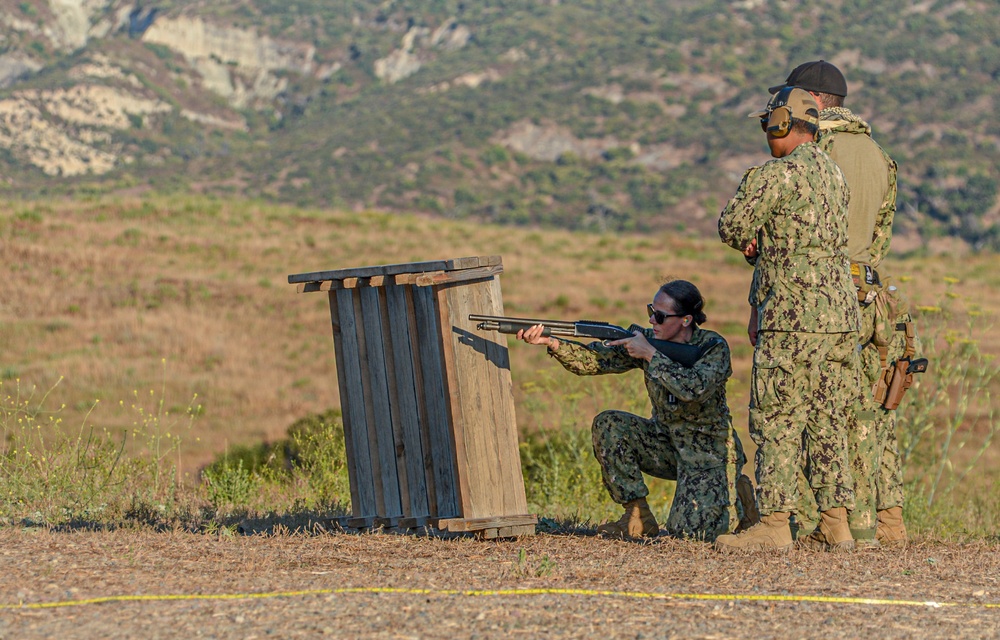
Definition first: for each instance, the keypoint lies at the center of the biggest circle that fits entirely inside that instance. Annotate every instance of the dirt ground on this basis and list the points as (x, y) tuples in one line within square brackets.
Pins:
[(144, 584)]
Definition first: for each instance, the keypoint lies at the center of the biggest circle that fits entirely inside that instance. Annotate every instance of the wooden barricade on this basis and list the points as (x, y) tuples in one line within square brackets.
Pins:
[(426, 398)]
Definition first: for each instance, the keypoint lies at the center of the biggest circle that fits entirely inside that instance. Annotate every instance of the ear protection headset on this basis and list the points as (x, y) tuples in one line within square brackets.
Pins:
[(790, 102), (778, 123)]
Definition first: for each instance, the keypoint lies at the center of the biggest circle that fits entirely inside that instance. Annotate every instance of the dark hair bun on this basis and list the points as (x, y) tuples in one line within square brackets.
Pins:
[(687, 298)]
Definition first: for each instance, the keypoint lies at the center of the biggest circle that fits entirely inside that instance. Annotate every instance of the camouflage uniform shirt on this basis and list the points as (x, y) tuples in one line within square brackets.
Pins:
[(793, 207), (695, 396)]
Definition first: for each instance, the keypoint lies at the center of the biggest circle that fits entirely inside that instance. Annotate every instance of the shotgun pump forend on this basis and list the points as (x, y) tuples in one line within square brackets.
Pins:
[(683, 354)]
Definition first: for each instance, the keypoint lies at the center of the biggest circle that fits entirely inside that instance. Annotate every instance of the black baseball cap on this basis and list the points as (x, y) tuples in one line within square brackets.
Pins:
[(819, 76)]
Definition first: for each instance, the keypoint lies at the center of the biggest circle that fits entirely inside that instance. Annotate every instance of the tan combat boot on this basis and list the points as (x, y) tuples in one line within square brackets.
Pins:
[(637, 522), (833, 533), (772, 532), (891, 531), (745, 494)]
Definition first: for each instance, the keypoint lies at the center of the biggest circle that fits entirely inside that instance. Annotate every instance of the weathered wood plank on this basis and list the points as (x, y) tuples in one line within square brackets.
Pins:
[(456, 407), (361, 523), (414, 523), (475, 524), (369, 405), (352, 399), (465, 275), (482, 405), (381, 415), (406, 415), (439, 448), (498, 377), (505, 532), (393, 269)]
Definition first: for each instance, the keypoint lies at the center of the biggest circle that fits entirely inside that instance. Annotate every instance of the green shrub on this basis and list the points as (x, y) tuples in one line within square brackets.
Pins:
[(307, 469), (53, 476), (231, 486)]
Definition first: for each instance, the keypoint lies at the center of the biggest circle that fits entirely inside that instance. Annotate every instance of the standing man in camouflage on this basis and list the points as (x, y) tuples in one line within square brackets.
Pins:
[(790, 214), (871, 178), (689, 437)]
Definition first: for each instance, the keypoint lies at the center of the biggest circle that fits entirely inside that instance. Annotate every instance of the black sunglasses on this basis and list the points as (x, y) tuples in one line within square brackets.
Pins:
[(659, 316)]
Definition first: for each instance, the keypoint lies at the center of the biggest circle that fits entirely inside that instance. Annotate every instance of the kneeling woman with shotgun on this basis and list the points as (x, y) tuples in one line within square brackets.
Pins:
[(689, 438)]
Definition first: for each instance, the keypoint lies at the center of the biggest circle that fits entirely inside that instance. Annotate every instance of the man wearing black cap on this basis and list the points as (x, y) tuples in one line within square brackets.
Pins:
[(871, 177), (789, 216)]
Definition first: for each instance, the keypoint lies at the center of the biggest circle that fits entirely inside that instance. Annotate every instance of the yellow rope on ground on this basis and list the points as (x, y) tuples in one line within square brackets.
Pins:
[(504, 592)]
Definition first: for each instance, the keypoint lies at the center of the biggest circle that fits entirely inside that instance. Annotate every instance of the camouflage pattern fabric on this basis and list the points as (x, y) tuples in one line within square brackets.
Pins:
[(689, 437), (863, 450), (872, 446), (794, 207), (806, 368), (803, 399), (862, 444)]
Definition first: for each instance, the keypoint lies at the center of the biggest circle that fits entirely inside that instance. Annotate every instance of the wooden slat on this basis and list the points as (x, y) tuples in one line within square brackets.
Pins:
[(396, 410), (465, 275), (310, 287), (482, 405), (393, 269), (381, 417), (418, 340), (361, 523), (506, 532), (387, 523), (414, 523), (497, 370), (475, 524), (368, 402), (439, 452), (406, 422), (456, 402), (352, 399), (479, 475)]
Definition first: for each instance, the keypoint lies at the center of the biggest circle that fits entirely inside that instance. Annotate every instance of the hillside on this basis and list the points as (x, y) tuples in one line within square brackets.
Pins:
[(602, 115)]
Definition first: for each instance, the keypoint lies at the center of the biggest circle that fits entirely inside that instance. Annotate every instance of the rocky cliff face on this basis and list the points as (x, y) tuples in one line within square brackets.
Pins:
[(70, 131), (67, 132), (406, 60), (237, 64), (135, 65)]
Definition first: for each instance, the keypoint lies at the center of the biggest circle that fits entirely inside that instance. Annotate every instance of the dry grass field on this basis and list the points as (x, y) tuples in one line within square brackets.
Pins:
[(166, 304)]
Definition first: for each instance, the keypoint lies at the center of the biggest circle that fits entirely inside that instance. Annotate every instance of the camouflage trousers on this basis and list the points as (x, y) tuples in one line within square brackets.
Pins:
[(705, 465), (804, 399), (872, 447)]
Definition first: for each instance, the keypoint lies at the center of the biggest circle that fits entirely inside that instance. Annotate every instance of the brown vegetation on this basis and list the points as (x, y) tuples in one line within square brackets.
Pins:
[(187, 301)]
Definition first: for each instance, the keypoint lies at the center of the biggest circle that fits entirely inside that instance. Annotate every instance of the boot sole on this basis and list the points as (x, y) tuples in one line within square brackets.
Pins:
[(841, 547)]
